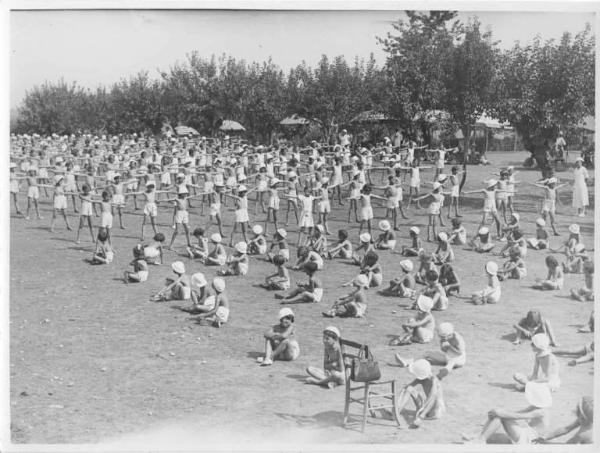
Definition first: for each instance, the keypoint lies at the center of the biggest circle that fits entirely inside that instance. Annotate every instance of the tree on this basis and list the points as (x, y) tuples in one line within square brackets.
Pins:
[(545, 87)]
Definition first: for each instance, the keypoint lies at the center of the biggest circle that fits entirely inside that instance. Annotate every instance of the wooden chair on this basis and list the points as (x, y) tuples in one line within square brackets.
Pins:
[(370, 400)]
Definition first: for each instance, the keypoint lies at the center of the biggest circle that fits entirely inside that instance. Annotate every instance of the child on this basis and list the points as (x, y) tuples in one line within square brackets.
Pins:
[(201, 301), (14, 187), (387, 239), (372, 269), (33, 193), (453, 355), (435, 291), (555, 278), (218, 255), (416, 245), (343, 247), (458, 235), (140, 267), (437, 198), (153, 253), (366, 245), (241, 212), (575, 259), (454, 192), (258, 244), (449, 279), (353, 305), (514, 267), (281, 244), (59, 202), (489, 204), (428, 399), (507, 231), (181, 217), (542, 238), (306, 256), (104, 253), (199, 250), (586, 293), (273, 207), (405, 285), (583, 354), (237, 263), (219, 313), (318, 241), (444, 253), (419, 329), (86, 211), (280, 280), (482, 243), (333, 372), (531, 325), (584, 413), (523, 426), (549, 205), (280, 343), (305, 293), (426, 264), (178, 288), (545, 361), (492, 292), (366, 210)]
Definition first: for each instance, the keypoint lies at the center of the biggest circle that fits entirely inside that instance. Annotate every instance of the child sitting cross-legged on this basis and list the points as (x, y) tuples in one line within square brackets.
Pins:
[(419, 329), (280, 343), (305, 292), (404, 286), (343, 248), (333, 372), (280, 280), (140, 267), (514, 267), (532, 324), (353, 305)]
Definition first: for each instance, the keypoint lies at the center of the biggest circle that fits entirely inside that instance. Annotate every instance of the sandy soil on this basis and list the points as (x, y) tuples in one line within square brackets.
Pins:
[(91, 360)]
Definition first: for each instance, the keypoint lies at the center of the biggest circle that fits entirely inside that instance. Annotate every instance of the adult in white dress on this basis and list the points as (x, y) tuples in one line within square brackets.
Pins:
[(580, 190)]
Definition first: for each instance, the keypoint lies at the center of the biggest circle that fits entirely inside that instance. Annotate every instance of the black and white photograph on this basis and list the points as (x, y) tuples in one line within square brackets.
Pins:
[(298, 226)]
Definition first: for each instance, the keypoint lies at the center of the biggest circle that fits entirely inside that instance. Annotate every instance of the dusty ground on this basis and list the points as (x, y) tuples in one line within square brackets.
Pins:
[(91, 360)]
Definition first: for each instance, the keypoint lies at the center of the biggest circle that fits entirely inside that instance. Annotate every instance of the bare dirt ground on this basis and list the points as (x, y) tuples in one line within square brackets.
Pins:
[(91, 360)]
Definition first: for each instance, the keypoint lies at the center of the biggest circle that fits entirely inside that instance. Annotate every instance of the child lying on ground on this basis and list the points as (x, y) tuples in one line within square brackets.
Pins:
[(426, 393), (305, 292), (140, 267), (531, 325), (353, 305), (419, 329), (453, 355), (582, 354), (333, 372), (280, 280), (280, 343), (405, 285), (545, 361)]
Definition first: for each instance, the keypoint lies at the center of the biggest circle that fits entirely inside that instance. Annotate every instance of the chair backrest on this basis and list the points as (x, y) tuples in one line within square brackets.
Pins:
[(349, 355)]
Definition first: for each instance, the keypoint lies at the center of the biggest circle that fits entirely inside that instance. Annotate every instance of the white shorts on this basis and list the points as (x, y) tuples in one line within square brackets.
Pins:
[(33, 192), (43, 173), (324, 206), (60, 202), (119, 199), (222, 314), (549, 206), (274, 203), (14, 186), (366, 213), (86, 208), (151, 252), (262, 186), (151, 209), (141, 275), (165, 179), (241, 215), (182, 217), (215, 209), (306, 220), (318, 294), (106, 220)]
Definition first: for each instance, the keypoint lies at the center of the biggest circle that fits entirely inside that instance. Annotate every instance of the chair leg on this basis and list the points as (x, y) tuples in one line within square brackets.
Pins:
[(395, 404), (346, 404), (365, 407)]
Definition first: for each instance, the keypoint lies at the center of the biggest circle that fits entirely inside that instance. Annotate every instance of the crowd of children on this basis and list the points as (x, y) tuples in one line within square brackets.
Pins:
[(109, 171)]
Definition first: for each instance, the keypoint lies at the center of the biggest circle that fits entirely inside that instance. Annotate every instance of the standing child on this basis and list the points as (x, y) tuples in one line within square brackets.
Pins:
[(489, 204), (454, 192), (241, 212), (86, 211), (59, 202), (434, 209), (14, 187), (280, 342), (549, 204), (33, 193), (333, 372)]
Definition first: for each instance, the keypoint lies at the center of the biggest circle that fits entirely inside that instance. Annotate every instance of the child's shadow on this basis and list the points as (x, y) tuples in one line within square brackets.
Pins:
[(298, 377), (508, 337), (254, 354), (319, 420), (503, 385)]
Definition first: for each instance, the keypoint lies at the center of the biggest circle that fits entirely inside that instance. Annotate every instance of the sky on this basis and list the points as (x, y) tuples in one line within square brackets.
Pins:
[(99, 47)]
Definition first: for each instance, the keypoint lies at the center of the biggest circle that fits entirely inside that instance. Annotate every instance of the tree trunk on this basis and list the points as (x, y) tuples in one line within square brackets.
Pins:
[(466, 130)]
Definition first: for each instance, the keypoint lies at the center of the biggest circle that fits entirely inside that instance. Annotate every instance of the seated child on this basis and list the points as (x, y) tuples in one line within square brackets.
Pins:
[(426, 393), (575, 260), (435, 291), (582, 354), (514, 267), (305, 255), (585, 293), (482, 243), (522, 426), (531, 325), (542, 238), (353, 305), (343, 248), (545, 361), (218, 255), (201, 301), (237, 264), (318, 241), (584, 420), (219, 313), (280, 343), (449, 279), (458, 235), (153, 253), (366, 245), (387, 239), (419, 329), (492, 292), (140, 267), (405, 285), (516, 239), (453, 355), (333, 372), (555, 278), (175, 289), (280, 280), (426, 264), (511, 226), (279, 241), (444, 253), (416, 244), (371, 267), (305, 292), (199, 250), (104, 252), (258, 244)]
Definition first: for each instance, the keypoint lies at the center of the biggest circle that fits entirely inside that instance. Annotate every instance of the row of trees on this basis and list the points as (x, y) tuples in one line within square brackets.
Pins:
[(434, 62)]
